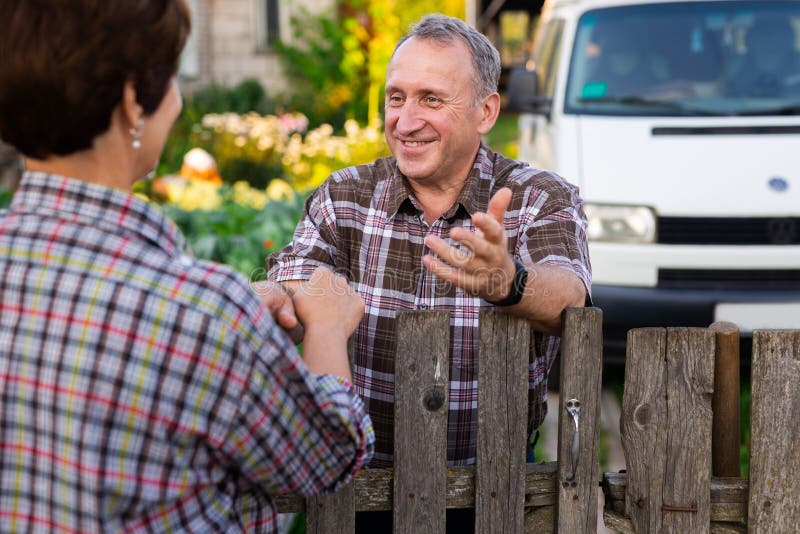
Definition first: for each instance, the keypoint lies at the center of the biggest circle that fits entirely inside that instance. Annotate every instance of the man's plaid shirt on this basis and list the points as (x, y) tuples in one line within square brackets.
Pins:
[(365, 222), (142, 389)]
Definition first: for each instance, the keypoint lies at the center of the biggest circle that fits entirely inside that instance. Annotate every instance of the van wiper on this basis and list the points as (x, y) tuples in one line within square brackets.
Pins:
[(634, 100), (791, 109)]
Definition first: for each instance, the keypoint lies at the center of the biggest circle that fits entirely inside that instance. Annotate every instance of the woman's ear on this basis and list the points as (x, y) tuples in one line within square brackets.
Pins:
[(132, 111)]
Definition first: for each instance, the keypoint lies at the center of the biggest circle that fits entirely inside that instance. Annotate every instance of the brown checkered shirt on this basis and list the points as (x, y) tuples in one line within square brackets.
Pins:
[(365, 222)]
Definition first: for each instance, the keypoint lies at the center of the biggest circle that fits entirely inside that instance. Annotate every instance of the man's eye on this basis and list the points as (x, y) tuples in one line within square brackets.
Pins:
[(395, 100), (432, 100)]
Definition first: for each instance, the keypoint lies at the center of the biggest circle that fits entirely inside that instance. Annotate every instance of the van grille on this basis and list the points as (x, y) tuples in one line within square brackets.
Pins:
[(761, 279), (729, 230)]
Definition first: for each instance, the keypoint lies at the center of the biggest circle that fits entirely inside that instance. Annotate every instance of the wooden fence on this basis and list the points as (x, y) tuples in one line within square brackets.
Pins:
[(667, 420), (508, 495)]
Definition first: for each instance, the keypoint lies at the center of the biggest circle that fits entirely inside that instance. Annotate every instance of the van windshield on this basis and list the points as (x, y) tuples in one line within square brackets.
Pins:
[(692, 58)]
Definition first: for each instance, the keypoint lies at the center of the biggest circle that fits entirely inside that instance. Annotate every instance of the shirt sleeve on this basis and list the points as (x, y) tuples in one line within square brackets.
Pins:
[(296, 432), (313, 243), (554, 231)]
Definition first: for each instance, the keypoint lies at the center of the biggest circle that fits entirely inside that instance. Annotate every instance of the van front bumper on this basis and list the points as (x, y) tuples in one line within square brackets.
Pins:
[(625, 308)]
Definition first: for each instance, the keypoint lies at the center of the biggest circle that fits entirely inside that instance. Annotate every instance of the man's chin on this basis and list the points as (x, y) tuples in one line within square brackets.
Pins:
[(413, 172)]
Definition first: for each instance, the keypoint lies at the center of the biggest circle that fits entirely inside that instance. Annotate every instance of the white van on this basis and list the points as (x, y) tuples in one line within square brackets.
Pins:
[(680, 123)]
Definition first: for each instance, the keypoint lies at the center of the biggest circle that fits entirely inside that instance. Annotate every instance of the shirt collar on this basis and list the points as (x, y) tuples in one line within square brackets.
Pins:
[(474, 196), (97, 206)]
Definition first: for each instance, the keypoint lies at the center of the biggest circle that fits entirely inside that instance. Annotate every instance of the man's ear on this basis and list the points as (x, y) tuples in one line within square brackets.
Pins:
[(490, 110), (132, 112)]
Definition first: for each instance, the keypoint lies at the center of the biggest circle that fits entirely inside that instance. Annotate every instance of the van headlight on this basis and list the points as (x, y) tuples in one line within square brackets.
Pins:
[(620, 224)]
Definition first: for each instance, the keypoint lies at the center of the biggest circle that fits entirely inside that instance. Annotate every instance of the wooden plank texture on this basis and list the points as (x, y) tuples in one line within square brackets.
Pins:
[(775, 433), (373, 489), (728, 497), (331, 514), (620, 524), (581, 374), (725, 433), (502, 415), (687, 464), (420, 424), (666, 428), (643, 407)]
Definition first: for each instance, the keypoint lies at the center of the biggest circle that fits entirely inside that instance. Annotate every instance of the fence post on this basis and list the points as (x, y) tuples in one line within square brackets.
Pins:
[(503, 356), (578, 449), (333, 513), (666, 428), (725, 433), (775, 424), (420, 423)]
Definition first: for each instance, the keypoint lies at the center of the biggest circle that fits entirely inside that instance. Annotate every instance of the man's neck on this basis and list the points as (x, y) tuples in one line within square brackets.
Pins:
[(435, 199)]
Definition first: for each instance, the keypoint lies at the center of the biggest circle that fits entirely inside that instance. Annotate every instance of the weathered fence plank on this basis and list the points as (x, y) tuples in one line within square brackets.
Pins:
[(687, 464), (331, 514), (725, 433), (775, 432), (643, 407), (420, 428), (666, 428), (503, 357), (579, 420)]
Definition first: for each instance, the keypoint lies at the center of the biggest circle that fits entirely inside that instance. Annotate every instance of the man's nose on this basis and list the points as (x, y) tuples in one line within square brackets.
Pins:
[(409, 118)]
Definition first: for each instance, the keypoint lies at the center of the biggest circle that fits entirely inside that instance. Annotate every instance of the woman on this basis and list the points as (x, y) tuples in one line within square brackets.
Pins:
[(141, 389)]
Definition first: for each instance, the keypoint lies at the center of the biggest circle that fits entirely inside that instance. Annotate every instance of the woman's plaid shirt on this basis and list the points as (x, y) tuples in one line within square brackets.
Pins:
[(365, 222), (144, 390)]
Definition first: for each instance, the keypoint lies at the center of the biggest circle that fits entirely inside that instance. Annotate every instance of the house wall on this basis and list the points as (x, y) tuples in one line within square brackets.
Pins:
[(226, 42)]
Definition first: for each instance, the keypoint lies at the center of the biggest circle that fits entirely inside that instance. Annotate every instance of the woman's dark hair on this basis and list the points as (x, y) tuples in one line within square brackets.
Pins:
[(65, 62)]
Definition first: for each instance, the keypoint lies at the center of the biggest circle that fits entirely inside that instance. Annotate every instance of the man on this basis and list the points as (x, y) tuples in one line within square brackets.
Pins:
[(444, 224)]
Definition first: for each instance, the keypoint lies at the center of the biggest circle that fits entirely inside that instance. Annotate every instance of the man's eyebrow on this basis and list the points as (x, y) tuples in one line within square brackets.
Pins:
[(421, 90)]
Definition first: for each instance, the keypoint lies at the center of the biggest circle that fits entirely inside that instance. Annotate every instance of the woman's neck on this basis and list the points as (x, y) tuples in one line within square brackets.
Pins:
[(100, 165)]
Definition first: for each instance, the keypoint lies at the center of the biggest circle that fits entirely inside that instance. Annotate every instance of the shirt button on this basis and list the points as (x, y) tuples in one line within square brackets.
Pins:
[(423, 306)]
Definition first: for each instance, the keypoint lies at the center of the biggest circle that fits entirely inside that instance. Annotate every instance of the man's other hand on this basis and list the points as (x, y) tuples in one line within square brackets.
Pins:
[(278, 300)]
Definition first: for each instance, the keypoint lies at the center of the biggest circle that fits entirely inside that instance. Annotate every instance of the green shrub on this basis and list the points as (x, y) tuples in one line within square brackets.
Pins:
[(323, 87), (236, 234)]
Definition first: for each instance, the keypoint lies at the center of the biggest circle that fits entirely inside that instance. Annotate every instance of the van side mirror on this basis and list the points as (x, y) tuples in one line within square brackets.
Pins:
[(523, 92)]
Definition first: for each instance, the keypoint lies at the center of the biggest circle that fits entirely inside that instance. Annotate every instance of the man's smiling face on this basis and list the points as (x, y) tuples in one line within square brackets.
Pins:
[(433, 126)]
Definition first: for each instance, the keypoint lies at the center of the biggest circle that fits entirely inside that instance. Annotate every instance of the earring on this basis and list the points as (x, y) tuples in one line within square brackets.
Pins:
[(137, 135)]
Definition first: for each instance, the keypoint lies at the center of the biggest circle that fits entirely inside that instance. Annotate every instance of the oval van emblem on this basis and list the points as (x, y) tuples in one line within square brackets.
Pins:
[(778, 184)]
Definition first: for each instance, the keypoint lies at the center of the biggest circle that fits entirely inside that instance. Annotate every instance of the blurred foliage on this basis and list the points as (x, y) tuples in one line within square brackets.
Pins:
[(247, 96), (249, 147), (337, 67), (232, 224), (5, 197), (308, 161), (322, 89), (277, 145), (504, 137)]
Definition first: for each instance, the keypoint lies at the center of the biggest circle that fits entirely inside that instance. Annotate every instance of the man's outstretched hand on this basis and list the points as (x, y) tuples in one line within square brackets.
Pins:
[(483, 267)]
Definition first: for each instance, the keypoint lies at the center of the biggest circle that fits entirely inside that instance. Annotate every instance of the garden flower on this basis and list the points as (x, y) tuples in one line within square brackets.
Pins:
[(279, 190)]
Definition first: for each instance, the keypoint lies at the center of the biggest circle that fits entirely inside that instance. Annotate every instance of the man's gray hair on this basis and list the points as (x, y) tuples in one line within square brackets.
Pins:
[(485, 57)]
